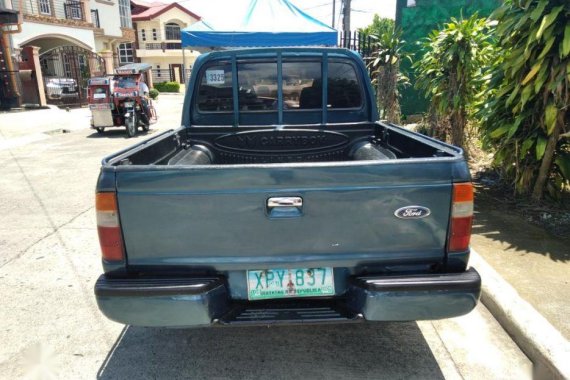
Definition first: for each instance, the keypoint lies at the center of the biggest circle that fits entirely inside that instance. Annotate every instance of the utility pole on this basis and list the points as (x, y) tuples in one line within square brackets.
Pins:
[(346, 15), (334, 11)]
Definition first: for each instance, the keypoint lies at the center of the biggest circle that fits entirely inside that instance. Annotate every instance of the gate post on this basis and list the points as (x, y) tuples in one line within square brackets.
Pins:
[(108, 57), (149, 79), (39, 76)]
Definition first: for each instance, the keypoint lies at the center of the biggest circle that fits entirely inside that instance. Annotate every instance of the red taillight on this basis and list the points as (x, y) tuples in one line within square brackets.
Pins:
[(108, 227), (461, 217)]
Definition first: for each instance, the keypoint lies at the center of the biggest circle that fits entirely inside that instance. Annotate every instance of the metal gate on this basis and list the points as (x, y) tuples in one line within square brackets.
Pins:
[(66, 70)]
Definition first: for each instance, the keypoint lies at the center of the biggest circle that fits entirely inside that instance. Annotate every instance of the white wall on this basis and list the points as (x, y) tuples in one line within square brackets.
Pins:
[(148, 26), (109, 17), (33, 30)]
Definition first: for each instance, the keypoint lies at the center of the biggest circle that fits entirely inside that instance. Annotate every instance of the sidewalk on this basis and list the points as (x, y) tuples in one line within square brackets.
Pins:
[(534, 262), (24, 127)]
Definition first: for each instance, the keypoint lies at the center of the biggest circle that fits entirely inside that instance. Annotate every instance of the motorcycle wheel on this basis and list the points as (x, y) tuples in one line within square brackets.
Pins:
[(131, 124), (100, 130)]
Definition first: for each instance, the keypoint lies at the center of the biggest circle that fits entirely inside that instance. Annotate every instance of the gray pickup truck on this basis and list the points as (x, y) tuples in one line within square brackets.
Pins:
[(282, 199)]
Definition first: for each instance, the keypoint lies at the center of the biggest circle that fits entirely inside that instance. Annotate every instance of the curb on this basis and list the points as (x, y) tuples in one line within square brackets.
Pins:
[(538, 339)]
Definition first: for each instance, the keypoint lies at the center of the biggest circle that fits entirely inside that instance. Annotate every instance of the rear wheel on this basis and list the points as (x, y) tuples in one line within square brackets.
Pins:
[(131, 124), (100, 129)]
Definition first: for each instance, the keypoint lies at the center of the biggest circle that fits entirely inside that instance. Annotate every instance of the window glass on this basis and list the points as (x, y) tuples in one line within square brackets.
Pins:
[(45, 7), (172, 31), (302, 85), (125, 82), (125, 13), (257, 86), (215, 89), (343, 86), (126, 53)]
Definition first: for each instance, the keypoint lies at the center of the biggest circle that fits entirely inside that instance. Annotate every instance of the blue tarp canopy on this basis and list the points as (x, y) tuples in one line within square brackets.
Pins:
[(265, 23)]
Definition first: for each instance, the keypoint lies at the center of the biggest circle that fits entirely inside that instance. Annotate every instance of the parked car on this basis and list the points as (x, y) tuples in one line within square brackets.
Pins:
[(257, 212), (61, 88)]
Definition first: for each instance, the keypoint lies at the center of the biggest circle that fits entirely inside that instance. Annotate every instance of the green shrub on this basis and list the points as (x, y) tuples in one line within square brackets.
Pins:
[(526, 115), (167, 86), (153, 93), (452, 73)]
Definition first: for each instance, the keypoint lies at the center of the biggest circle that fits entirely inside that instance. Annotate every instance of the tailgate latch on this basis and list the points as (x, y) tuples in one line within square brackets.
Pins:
[(284, 207)]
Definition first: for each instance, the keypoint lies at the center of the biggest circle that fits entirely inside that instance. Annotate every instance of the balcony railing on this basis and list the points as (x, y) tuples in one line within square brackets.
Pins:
[(95, 18), (163, 46)]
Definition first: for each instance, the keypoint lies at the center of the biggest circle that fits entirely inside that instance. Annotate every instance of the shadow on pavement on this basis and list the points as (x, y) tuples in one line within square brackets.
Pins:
[(118, 133), (493, 222), (368, 350)]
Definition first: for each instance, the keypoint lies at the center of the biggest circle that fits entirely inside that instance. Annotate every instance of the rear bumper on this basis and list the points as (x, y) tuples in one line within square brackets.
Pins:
[(168, 302), (187, 302), (421, 297)]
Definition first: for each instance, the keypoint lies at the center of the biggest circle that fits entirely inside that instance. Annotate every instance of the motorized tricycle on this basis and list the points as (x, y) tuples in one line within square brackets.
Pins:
[(121, 100)]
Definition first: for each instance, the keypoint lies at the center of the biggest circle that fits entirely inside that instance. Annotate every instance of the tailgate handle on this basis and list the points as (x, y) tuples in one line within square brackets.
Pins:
[(284, 207)]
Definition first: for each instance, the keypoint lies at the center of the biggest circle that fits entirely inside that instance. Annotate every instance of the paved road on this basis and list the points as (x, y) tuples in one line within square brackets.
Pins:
[(50, 325)]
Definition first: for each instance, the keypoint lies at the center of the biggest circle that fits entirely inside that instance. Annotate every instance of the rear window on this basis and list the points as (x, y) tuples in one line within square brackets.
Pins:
[(343, 88), (302, 85), (257, 86), (215, 89)]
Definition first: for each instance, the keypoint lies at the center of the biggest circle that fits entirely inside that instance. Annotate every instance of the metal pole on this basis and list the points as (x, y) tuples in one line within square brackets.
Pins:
[(184, 65), (334, 11), (346, 15)]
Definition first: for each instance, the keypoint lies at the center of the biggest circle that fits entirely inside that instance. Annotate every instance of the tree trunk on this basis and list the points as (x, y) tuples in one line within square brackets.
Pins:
[(546, 163), (379, 93), (457, 127), (392, 105)]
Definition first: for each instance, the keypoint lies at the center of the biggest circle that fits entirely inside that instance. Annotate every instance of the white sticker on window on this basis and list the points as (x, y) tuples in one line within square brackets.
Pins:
[(99, 96), (215, 77)]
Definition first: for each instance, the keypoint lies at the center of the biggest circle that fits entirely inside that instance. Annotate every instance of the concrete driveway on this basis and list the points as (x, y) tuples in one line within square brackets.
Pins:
[(50, 326)]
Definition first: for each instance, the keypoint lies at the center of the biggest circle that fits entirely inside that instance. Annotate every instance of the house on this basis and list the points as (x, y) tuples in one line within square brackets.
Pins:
[(113, 25), (94, 25), (158, 41), (64, 43)]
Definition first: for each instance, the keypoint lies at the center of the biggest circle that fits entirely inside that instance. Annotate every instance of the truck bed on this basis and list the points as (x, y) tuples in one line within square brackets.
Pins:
[(348, 205), (288, 144)]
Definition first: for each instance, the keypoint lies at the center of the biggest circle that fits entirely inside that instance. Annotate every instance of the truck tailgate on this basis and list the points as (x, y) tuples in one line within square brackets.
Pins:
[(218, 218)]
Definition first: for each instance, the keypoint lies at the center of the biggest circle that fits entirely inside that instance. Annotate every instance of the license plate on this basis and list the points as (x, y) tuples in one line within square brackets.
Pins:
[(289, 283)]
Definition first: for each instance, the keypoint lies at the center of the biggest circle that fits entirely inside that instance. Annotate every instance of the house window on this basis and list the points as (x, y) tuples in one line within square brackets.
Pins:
[(125, 13), (45, 7), (126, 53), (172, 31), (154, 36), (143, 35), (73, 10)]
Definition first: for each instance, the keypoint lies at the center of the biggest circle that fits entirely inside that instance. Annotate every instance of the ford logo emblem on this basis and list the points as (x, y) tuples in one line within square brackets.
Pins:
[(412, 212)]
